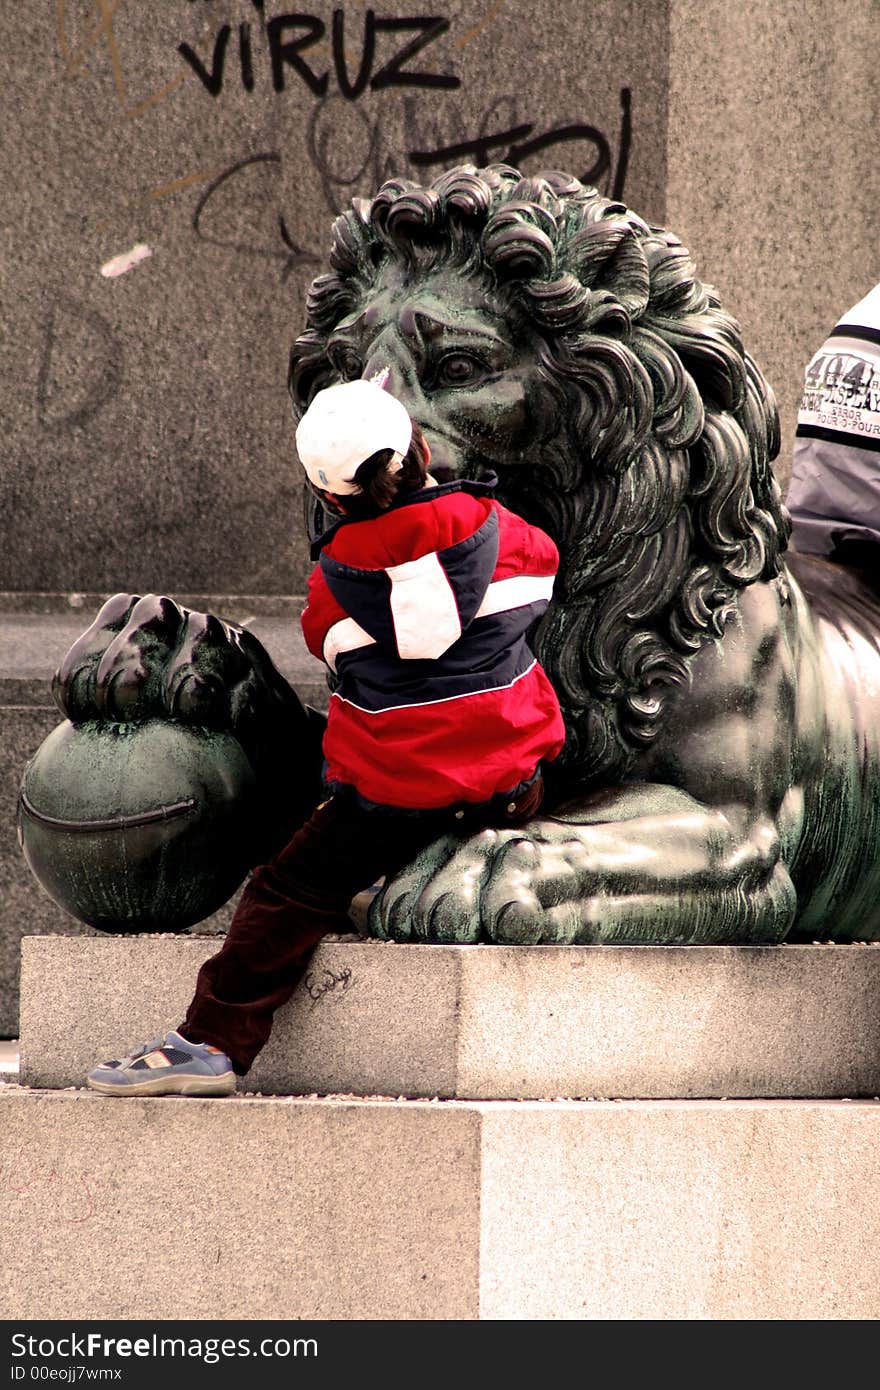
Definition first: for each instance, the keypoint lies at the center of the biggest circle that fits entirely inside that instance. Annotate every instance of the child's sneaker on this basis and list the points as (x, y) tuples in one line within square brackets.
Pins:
[(169, 1066)]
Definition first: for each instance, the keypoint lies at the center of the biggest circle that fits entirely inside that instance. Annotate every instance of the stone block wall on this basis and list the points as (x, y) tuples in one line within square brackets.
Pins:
[(147, 440)]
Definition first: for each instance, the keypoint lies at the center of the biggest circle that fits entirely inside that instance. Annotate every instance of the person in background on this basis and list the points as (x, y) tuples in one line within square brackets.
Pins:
[(834, 496)]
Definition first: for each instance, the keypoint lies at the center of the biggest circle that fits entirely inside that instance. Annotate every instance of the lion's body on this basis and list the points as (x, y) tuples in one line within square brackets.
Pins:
[(780, 732), (721, 775)]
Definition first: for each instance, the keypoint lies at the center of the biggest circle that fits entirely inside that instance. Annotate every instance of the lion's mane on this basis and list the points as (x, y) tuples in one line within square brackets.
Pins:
[(654, 473)]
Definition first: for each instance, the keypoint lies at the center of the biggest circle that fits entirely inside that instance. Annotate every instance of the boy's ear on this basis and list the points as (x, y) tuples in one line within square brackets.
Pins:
[(426, 450)]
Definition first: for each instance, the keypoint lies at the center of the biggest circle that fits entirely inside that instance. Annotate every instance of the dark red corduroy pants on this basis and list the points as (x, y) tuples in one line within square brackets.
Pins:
[(301, 896)]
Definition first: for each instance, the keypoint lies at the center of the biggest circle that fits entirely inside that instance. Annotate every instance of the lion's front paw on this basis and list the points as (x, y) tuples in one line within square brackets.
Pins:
[(513, 887), (148, 658)]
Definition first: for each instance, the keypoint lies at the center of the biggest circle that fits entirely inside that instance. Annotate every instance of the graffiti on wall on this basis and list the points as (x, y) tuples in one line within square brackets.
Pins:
[(332, 61), (329, 62)]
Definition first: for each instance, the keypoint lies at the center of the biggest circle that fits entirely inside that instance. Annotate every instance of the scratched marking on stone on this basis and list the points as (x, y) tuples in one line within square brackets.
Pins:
[(329, 981), (479, 26), (118, 265), (162, 190), (80, 364)]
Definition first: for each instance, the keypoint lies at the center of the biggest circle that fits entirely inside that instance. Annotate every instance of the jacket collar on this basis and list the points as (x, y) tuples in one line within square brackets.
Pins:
[(485, 486)]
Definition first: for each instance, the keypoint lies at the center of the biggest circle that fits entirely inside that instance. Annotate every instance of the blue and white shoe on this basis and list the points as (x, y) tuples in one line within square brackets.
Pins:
[(169, 1066)]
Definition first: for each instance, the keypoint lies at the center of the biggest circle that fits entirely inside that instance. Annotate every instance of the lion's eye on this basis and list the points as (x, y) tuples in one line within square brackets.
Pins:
[(347, 362), (459, 369)]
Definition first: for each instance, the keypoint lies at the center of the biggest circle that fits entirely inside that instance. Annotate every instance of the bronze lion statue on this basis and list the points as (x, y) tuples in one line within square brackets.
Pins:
[(720, 781)]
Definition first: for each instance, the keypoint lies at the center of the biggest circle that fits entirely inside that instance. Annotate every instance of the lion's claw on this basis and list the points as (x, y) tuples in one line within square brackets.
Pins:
[(491, 887)]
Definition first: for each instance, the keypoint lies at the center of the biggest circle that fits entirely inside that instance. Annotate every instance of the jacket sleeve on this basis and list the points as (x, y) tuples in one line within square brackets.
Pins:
[(417, 606), (524, 549), (321, 613), (502, 567)]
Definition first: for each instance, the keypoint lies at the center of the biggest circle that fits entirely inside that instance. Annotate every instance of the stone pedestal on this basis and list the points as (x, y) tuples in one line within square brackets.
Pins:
[(368, 1204), (416, 1209), (475, 1022)]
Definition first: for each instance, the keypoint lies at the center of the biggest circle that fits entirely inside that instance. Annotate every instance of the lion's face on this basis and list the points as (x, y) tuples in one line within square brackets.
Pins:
[(457, 361)]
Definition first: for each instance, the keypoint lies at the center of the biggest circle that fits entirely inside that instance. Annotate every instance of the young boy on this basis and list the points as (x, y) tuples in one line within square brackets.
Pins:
[(420, 604)]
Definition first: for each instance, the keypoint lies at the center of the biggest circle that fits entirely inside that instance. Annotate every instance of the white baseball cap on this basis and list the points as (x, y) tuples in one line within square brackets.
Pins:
[(346, 424)]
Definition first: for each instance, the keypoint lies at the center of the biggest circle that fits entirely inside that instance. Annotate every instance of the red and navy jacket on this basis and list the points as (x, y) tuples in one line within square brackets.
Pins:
[(422, 613)]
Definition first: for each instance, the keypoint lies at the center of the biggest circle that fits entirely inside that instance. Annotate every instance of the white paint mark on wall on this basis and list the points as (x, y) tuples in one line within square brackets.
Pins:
[(120, 264)]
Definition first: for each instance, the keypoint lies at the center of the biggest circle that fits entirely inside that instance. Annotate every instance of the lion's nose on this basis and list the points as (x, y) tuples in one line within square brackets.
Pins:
[(446, 463), (401, 379)]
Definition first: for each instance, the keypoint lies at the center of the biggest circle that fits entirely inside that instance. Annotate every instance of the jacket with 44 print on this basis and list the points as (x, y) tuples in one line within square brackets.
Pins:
[(422, 613)]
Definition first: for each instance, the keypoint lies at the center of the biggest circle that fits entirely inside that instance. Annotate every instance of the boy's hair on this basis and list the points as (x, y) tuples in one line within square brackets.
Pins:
[(379, 487)]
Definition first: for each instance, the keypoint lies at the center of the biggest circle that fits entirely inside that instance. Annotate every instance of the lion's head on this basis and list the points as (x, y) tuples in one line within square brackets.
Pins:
[(537, 329)]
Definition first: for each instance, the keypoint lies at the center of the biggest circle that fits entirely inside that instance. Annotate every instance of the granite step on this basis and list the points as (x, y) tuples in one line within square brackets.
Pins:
[(488, 1022), (344, 1208)]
